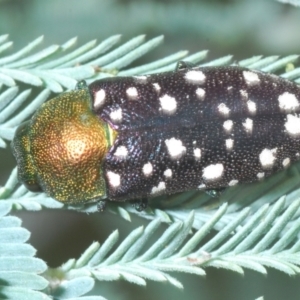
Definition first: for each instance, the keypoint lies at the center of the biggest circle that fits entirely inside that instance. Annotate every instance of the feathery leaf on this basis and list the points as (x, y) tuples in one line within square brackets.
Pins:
[(253, 226)]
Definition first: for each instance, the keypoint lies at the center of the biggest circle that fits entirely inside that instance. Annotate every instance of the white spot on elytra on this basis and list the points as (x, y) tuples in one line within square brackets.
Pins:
[(114, 179), (260, 175), (194, 142), (223, 109), (229, 144), (286, 162), (116, 115), (132, 93), (99, 98), (292, 125), (168, 104), (267, 158), (229, 88), (288, 102), (251, 78), (121, 152), (251, 107), (233, 182), (244, 94), (156, 86), (197, 153), (168, 173), (202, 186), (141, 78), (248, 125), (213, 172), (200, 93), (147, 169), (194, 76), (228, 125), (159, 188), (175, 148)]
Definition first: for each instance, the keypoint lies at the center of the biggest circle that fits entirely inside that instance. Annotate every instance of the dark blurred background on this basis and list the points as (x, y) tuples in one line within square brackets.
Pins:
[(243, 28)]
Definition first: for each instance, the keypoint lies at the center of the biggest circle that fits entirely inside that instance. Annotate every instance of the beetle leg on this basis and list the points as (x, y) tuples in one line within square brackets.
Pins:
[(81, 85), (214, 193), (140, 204), (101, 206), (184, 65)]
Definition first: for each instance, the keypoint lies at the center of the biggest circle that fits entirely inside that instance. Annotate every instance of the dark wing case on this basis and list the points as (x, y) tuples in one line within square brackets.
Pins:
[(204, 128)]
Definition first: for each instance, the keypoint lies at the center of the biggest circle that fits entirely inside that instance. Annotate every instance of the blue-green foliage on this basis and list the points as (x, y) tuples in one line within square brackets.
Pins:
[(256, 225)]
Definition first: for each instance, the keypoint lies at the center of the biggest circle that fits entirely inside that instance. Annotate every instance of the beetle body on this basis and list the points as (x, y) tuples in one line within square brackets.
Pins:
[(193, 128)]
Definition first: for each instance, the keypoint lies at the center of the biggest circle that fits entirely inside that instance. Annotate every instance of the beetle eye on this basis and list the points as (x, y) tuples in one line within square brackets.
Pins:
[(32, 186)]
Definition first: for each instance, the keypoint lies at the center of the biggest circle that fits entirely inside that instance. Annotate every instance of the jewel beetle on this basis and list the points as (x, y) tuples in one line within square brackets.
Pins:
[(131, 138)]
